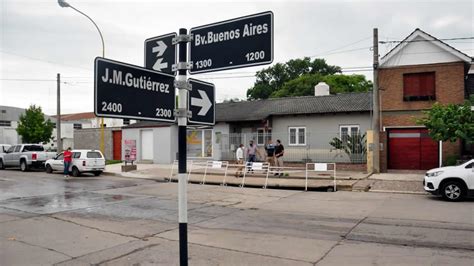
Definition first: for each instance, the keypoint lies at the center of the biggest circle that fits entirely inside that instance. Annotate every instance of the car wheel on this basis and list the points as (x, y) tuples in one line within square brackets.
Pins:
[(97, 173), (75, 172), (2, 166), (49, 170), (453, 191), (23, 166)]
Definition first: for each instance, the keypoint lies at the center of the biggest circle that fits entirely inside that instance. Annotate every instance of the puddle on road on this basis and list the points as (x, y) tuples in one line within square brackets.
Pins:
[(62, 202)]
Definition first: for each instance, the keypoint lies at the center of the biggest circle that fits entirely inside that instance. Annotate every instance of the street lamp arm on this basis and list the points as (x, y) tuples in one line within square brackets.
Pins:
[(97, 27)]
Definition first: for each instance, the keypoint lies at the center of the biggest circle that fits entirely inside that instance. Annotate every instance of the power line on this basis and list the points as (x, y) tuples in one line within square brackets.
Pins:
[(43, 60), (28, 79), (344, 46), (435, 40)]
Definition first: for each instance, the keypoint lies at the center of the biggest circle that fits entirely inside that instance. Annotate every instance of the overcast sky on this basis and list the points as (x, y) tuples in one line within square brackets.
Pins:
[(40, 39)]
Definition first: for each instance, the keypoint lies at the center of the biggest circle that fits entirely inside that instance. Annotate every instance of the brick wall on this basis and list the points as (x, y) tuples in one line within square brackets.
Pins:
[(449, 85), (89, 138), (449, 88), (400, 118), (450, 149), (383, 152)]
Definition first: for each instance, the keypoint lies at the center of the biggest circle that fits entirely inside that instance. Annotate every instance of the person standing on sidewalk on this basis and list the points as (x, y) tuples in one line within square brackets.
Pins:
[(251, 155), (279, 151), (239, 154), (270, 150), (67, 159)]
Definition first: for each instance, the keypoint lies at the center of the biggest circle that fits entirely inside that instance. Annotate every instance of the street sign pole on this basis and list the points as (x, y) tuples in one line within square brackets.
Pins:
[(182, 113)]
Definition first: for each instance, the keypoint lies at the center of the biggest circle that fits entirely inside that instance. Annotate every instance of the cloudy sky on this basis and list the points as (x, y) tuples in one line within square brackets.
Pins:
[(40, 39)]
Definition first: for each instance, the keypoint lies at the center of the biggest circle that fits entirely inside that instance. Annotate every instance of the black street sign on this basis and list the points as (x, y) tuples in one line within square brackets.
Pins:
[(160, 53), (127, 91), (202, 102), (236, 43)]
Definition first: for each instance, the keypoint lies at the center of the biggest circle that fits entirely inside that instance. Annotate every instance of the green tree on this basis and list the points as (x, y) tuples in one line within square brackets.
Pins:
[(450, 122), (297, 77), (32, 126), (348, 83)]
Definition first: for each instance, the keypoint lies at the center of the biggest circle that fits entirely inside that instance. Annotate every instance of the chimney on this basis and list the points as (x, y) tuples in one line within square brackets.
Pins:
[(321, 89)]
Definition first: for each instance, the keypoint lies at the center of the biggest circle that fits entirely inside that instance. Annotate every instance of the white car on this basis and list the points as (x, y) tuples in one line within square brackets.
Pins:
[(452, 182), (83, 161)]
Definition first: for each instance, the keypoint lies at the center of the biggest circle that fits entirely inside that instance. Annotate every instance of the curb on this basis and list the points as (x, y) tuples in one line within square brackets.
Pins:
[(158, 179), (398, 192), (270, 186)]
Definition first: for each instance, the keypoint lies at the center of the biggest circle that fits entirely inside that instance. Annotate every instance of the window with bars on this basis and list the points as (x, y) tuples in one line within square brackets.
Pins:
[(77, 126), (345, 131), (5, 123), (419, 86), (297, 136), (263, 136)]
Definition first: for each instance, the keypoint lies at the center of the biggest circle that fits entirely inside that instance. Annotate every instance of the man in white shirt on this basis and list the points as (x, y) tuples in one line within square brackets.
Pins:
[(239, 154)]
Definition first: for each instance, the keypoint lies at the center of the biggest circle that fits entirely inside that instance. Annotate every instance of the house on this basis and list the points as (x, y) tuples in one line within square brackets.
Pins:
[(9, 117), (305, 125), (82, 131), (418, 72)]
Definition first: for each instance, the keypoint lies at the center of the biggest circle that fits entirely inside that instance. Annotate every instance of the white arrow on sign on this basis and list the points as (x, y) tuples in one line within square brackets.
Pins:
[(203, 102), (158, 66), (160, 49)]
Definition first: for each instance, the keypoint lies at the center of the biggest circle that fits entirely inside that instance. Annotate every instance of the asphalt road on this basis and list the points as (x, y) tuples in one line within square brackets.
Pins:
[(45, 219)]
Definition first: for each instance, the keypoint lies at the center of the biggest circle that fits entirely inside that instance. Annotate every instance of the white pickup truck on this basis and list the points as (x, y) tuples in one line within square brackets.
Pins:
[(25, 156)]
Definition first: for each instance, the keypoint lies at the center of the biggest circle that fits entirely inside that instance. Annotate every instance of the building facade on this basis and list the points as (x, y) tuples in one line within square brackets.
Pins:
[(418, 72), (305, 125)]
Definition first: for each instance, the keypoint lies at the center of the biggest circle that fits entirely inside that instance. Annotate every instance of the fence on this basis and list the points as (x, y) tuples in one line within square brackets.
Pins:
[(311, 172), (310, 147)]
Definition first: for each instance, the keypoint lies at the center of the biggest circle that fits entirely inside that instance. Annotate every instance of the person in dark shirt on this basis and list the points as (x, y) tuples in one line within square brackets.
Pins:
[(270, 150), (279, 151)]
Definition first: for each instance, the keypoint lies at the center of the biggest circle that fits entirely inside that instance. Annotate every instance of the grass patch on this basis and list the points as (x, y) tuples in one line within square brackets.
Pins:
[(107, 162)]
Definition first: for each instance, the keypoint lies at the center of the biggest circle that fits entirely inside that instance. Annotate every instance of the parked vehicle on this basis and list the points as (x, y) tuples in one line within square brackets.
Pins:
[(452, 182), (83, 161), (4, 147), (25, 156)]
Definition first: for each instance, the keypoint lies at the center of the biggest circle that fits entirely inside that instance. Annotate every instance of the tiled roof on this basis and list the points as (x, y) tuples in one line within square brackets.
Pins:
[(77, 116), (143, 124), (261, 109)]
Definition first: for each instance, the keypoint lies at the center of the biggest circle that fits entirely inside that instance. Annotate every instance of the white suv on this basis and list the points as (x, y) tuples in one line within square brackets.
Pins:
[(83, 161), (452, 182)]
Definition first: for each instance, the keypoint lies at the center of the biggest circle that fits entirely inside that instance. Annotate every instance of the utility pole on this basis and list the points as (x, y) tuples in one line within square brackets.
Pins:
[(59, 143), (376, 106), (181, 82)]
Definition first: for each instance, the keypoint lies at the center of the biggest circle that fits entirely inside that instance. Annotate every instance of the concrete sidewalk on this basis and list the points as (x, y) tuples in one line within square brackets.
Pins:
[(393, 181), (294, 177)]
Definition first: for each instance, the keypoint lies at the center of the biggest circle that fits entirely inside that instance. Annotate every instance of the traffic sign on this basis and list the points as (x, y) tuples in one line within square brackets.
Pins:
[(202, 102), (160, 53), (127, 91), (236, 43)]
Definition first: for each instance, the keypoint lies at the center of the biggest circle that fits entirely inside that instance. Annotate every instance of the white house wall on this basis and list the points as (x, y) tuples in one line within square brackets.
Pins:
[(8, 135), (419, 53), (165, 143), (320, 129)]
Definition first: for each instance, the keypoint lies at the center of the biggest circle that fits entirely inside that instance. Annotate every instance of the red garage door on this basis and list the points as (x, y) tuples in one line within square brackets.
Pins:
[(117, 141), (411, 149)]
